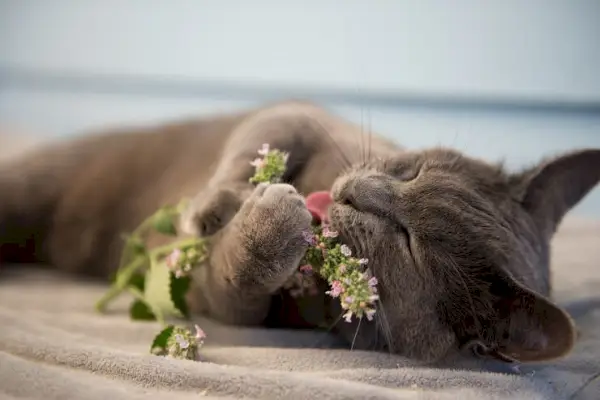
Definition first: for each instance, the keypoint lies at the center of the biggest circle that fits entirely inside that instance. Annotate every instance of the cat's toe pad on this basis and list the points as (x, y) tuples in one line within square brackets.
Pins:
[(278, 204)]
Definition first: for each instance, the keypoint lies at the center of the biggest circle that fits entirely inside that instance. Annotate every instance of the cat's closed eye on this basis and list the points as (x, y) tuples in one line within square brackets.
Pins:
[(404, 170), (409, 174)]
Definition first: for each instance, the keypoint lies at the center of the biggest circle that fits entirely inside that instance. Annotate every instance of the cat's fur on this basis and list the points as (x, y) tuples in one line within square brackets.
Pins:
[(460, 247)]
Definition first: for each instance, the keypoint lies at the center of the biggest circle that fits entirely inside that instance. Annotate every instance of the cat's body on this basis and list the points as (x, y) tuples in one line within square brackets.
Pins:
[(460, 247)]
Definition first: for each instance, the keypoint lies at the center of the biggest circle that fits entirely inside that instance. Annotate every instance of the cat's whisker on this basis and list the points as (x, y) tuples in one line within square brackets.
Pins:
[(329, 329), (455, 138), (370, 137), (382, 321), (362, 134), (345, 161), (454, 162), (356, 334), (364, 144), (465, 286)]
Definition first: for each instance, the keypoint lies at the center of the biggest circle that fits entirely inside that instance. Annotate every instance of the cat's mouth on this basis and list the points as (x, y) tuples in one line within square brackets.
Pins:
[(323, 209)]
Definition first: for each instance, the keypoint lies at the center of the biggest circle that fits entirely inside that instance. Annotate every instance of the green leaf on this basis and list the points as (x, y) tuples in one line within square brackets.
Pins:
[(179, 287), (141, 312), (159, 344), (164, 221), (138, 281), (157, 289)]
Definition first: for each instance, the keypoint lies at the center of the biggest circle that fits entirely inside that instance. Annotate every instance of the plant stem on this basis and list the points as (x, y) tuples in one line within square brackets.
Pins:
[(138, 232), (123, 278), (168, 248)]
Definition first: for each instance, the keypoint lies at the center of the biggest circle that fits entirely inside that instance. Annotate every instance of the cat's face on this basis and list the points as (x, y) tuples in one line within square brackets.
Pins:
[(461, 249)]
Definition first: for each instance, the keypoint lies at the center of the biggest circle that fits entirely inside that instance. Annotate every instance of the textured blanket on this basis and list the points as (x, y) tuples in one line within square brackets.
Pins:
[(53, 345)]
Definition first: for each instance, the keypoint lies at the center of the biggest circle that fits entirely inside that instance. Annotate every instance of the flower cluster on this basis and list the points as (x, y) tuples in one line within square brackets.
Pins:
[(271, 167), (181, 261), (347, 276), (183, 344)]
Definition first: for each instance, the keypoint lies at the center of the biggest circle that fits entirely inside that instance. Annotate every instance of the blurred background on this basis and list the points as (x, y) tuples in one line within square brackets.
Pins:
[(513, 80)]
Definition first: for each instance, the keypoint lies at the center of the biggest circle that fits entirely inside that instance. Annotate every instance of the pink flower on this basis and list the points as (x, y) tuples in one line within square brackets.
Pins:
[(372, 282), (265, 149), (182, 342), (348, 317), (328, 233), (306, 269), (309, 237), (257, 163), (370, 313), (200, 335), (336, 289), (173, 258), (348, 300)]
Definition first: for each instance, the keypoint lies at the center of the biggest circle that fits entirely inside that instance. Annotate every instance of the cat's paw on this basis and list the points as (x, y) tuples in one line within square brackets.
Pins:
[(212, 209), (275, 219)]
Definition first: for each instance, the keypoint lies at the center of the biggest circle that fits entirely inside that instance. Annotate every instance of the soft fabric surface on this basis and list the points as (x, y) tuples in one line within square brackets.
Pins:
[(54, 346)]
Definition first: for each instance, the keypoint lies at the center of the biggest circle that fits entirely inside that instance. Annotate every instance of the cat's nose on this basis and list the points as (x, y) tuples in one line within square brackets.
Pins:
[(342, 190), (351, 192), (365, 192)]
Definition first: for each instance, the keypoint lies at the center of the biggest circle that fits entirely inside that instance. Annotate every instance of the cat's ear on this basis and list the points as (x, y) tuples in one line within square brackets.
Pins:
[(551, 188), (529, 327)]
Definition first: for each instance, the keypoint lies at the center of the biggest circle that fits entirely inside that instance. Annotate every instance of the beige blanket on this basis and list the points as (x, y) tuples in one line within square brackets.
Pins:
[(53, 345)]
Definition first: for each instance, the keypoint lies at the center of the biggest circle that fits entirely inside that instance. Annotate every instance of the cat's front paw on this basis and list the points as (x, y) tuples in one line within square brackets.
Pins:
[(274, 220)]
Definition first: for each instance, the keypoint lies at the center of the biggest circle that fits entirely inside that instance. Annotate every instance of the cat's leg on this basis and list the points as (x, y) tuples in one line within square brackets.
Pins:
[(294, 130), (253, 256)]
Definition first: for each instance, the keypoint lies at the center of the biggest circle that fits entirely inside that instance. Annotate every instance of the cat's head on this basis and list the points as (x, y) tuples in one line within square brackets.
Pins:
[(461, 249)]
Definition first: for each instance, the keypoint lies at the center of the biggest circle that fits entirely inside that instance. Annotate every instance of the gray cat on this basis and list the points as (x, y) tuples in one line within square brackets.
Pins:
[(459, 246)]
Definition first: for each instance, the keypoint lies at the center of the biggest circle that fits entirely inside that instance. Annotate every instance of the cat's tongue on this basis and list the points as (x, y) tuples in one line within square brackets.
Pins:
[(318, 203)]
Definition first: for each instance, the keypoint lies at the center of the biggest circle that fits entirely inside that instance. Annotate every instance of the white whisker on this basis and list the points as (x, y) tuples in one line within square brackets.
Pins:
[(356, 334)]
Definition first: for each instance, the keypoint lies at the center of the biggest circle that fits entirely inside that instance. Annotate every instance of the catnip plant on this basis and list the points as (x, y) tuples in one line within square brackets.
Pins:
[(159, 278)]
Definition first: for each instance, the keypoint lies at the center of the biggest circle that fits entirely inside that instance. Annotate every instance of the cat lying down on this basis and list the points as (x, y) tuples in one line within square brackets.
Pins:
[(459, 246)]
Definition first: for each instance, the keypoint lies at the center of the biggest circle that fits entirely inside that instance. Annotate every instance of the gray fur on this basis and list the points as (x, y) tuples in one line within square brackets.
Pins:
[(460, 246)]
